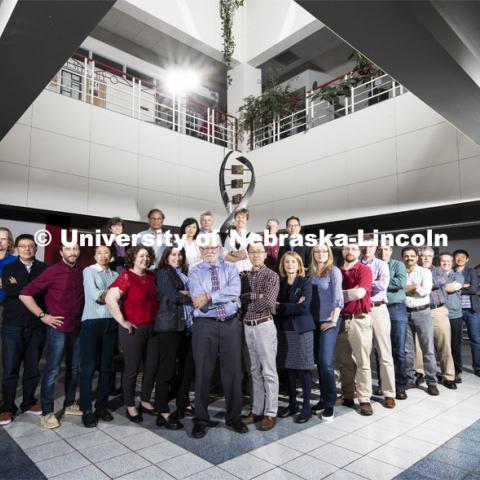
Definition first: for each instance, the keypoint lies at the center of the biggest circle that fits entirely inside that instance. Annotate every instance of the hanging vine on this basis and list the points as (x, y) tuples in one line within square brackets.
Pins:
[(227, 12)]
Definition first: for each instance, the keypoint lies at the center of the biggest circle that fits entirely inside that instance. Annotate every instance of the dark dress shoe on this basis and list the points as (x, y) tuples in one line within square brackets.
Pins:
[(319, 406), (433, 390), (348, 402), (89, 419), (401, 395), (238, 426), (170, 423), (476, 373), (104, 415), (303, 417), (420, 379), (134, 418), (148, 411), (450, 384), (377, 390), (458, 378), (285, 412), (199, 430)]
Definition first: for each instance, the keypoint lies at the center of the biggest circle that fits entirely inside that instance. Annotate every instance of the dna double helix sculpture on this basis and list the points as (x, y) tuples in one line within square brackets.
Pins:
[(235, 167)]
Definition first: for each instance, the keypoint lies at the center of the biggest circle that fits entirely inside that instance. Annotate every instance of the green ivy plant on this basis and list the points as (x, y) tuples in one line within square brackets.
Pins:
[(227, 12)]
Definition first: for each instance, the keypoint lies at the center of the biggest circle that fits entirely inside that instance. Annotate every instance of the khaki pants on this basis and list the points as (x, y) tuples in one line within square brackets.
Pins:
[(442, 340), (352, 355), (383, 343)]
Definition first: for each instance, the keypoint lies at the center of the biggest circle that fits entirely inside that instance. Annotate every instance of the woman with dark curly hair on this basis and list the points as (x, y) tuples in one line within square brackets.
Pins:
[(132, 300), (173, 329)]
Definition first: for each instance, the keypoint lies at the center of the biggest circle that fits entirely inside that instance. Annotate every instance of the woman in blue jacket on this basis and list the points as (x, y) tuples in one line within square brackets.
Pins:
[(173, 327), (295, 333)]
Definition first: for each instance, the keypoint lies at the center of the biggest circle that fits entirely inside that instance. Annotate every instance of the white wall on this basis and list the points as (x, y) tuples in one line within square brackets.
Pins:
[(395, 156), (66, 155)]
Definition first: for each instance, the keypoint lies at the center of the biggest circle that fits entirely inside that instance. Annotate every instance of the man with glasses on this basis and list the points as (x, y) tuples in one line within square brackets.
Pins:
[(155, 220), (216, 333), (23, 334), (260, 288)]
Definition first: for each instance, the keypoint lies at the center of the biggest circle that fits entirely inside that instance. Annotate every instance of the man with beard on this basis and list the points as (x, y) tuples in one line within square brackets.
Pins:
[(417, 291), (216, 333), (356, 334), (62, 287)]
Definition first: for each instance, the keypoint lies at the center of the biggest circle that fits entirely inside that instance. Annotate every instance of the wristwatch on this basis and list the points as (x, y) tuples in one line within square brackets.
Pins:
[(41, 315)]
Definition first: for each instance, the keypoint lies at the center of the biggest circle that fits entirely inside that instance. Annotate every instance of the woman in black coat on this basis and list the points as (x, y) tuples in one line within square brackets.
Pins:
[(173, 327), (295, 333)]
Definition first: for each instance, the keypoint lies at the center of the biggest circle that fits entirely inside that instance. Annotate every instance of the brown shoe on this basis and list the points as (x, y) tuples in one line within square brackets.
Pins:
[(34, 410), (366, 409), (267, 423), (389, 402), (6, 418), (433, 390), (251, 418)]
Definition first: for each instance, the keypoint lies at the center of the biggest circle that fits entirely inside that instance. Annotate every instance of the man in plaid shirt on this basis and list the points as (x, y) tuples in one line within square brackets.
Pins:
[(259, 294)]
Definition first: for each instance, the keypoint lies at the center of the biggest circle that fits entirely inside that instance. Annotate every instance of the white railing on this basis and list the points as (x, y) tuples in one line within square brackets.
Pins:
[(84, 80), (315, 111)]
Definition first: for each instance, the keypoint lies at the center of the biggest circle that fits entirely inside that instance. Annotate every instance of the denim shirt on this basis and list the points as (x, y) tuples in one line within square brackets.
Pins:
[(330, 294)]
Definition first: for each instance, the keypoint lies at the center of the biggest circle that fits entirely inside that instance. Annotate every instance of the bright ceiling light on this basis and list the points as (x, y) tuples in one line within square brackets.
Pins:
[(181, 81)]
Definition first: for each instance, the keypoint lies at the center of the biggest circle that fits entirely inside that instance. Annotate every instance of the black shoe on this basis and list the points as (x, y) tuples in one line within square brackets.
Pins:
[(328, 414), (134, 418), (285, 412), (303, 417), (238, 426), (89, 419), (377, 391), (420, 379), (104, 415), (458, 378), (450, 384), (433, 390), (199, 430), (170, 423), (348, 402), (318, 407), (148, 411), (401, 395)]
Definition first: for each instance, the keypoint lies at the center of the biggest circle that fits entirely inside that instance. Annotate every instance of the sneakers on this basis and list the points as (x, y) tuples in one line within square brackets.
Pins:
[(49, 421), (318, 407), (433, 390), (6, 418), (73, 409), (328, 414), (389, 402), (366, 409), (34, 410)]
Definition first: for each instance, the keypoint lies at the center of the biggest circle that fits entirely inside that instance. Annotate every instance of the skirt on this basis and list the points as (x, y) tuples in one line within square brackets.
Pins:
[(295, 350)]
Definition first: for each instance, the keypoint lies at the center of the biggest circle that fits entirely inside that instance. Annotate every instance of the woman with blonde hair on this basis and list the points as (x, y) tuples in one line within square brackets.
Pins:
[(295, 333), (327, 302)]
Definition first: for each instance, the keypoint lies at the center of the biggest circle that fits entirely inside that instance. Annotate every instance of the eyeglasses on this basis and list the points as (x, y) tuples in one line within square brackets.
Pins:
[(208, 248)]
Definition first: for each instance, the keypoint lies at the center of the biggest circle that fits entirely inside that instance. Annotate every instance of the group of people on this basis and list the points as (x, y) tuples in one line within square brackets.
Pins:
[(265, 313)]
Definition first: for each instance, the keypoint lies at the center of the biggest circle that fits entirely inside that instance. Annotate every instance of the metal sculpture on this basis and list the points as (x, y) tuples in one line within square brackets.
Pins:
[(239, 200)]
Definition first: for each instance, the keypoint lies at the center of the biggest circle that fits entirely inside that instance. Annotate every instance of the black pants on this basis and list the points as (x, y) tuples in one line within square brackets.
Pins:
[(212, 340), (142, 345), (98, 338), (21, 345), (456, 325)]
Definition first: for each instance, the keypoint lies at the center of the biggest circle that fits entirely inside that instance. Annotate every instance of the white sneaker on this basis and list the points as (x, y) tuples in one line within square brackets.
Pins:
[(328, 414), (73, 410), (49, 421), (34, 410)]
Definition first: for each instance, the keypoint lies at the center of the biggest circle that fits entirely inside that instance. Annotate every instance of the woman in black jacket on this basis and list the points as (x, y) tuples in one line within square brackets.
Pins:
[(173, 326), (295, 333)]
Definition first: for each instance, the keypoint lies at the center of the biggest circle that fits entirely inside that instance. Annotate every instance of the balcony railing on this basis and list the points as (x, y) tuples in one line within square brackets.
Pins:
[(317, 111), (101, 85)]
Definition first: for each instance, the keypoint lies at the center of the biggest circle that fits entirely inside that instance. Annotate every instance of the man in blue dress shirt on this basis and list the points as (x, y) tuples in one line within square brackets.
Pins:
[(216, 333)]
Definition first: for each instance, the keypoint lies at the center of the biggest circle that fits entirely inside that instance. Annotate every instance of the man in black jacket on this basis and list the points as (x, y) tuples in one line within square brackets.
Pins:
[(23, 334), (295, 242)]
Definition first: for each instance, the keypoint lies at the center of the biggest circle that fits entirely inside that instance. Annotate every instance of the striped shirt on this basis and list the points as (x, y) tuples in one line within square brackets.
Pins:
[(95, 282)]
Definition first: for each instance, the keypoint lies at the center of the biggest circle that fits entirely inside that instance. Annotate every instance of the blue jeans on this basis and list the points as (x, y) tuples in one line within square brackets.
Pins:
[(472, 320), (325, 349), (398, 335), (98, 338), (58, 344), (21, 345)]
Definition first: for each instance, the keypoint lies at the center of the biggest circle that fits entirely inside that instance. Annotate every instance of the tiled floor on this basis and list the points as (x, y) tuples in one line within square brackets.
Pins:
[(423, 438)]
